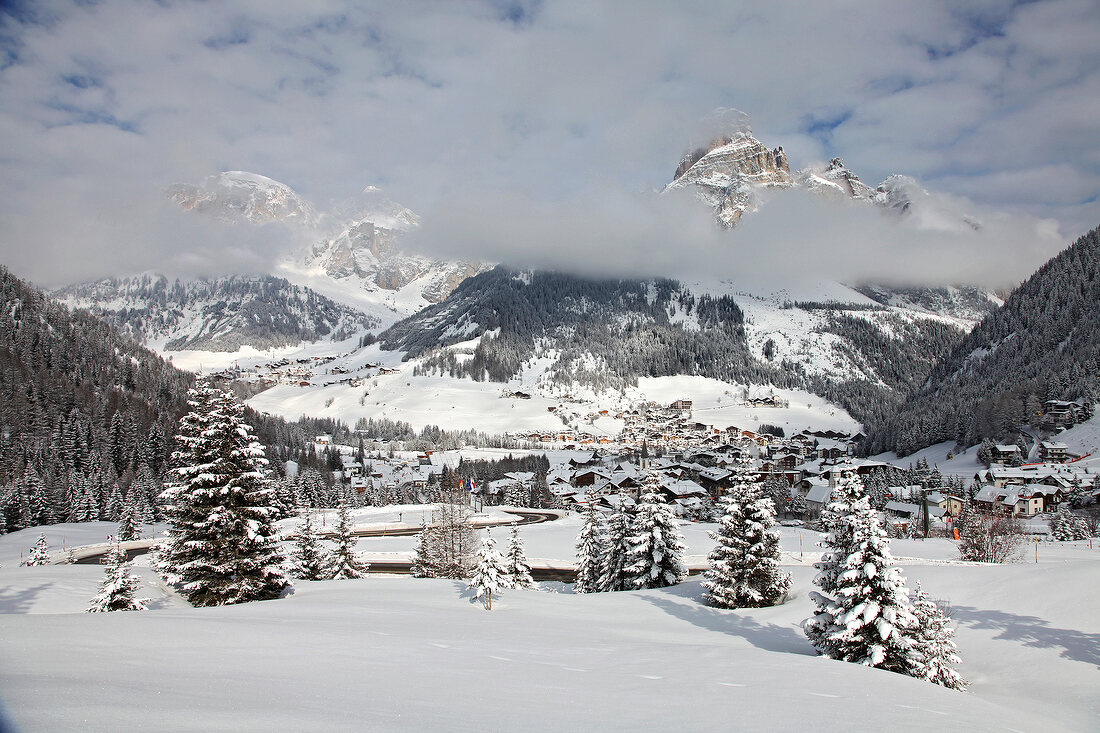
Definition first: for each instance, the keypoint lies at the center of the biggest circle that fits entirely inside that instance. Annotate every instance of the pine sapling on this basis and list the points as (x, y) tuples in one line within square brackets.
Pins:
[(591, 547), (744, 565), (40, 553), (311, 560), (488, 579), (655, 559), (116, 591), (934, 644), (345, 565), (516, 567)]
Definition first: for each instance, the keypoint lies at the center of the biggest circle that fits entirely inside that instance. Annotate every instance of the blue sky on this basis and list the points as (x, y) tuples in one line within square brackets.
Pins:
[(106, 103)]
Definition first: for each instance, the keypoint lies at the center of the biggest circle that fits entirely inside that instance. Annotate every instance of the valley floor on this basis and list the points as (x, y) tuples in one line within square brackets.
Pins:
[(399, 653)]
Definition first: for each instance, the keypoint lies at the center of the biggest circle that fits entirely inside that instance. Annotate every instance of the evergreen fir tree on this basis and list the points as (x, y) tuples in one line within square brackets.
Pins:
[(128, 529), (934, 644), (116, 591), (40, 553), (516, 566), (744, 565), (489, 572), (311, 560), (222, 545), (863, 612), (656, 552), (620, 529), (345, 565), (112, 511), (591, 549)]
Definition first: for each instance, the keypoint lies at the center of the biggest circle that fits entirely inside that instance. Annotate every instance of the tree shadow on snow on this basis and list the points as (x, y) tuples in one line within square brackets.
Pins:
[(1032, 631), (19, 601), (769, 637)]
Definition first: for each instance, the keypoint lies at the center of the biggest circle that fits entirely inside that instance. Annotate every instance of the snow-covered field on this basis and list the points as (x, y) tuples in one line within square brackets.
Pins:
[(399, 653)]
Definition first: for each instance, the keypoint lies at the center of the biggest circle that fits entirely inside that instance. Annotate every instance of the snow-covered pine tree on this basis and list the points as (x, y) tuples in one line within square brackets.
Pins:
[(117, 589), (744, 564), (488, 578), (656, 552), (515, 563), (934, 644), (863, 612), (222, 544), (620, 528), (345, 565), (311, 559), (1066, 526), (128, 528), (40, 553), (112, 510), (591, 549)]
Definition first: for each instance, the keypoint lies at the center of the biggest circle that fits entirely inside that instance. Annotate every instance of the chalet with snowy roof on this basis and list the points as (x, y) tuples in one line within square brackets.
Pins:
[(1002, 453), (1016, 500), (615, 502), (585, 459), (715, 480), (1059, 413), (1052, 452), (588, 476), (816, 499)]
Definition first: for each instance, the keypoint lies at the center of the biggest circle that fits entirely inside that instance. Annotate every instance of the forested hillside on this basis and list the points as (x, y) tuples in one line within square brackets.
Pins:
[(1044, 343), (79, 405), (87, 416), (608, 333), (601, 333)]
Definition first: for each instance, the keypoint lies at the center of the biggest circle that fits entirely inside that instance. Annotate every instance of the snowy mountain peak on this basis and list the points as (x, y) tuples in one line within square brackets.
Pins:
[(373, 206), (240, 195)]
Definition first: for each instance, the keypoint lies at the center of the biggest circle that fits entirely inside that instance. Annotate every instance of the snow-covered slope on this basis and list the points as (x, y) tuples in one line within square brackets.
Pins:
[(402, 653), (220, 314)]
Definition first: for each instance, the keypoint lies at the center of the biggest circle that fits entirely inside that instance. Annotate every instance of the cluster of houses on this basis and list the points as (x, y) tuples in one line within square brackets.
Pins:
[(1025, 491), (694, 465)]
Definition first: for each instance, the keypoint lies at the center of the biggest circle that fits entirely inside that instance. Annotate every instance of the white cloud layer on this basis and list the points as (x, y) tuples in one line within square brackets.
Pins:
[(559, 110)]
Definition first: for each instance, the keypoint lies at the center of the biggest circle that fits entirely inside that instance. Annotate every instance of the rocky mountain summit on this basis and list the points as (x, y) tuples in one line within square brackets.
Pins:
[(735, 173), (731, 172)]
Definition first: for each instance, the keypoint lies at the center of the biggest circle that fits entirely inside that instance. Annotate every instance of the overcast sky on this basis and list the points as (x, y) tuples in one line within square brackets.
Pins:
[(539, 114)]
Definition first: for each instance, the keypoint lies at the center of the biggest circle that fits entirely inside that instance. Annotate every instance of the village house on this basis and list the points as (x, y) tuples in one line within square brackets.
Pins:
[(1052, 452)]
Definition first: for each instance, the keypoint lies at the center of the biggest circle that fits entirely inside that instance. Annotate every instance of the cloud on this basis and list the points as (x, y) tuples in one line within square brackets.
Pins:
[(794, 237), (551, 101)]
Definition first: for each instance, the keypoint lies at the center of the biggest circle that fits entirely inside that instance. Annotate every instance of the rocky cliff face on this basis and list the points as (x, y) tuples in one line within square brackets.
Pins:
[(734, 173), (730, 173)]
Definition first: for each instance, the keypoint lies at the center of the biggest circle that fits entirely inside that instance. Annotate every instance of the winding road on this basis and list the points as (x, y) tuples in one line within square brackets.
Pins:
[(563, 573)]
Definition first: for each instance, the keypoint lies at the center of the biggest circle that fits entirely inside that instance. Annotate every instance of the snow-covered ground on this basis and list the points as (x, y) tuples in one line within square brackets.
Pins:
[(399, 653)]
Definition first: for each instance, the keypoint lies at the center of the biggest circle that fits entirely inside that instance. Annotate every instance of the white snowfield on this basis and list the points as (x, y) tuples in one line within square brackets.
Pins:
[(406, 654)]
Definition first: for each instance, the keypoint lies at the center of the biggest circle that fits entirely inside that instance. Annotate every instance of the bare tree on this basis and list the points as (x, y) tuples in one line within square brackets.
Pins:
[(985, 537)]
